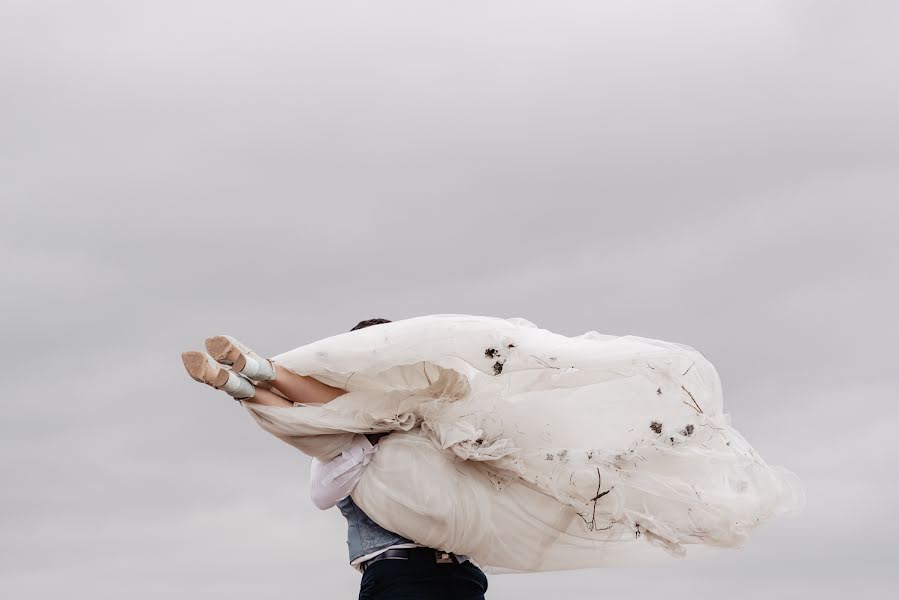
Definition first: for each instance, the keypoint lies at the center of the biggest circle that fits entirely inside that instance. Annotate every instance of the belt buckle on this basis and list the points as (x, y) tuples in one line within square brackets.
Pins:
[(445, 557)]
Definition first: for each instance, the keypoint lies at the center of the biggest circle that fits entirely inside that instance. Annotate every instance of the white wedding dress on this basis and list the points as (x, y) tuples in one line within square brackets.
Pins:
[(532, 451)]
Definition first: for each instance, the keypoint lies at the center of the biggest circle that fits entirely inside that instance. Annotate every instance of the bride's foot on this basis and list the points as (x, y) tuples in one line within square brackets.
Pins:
[(202, 368), (228, 351)]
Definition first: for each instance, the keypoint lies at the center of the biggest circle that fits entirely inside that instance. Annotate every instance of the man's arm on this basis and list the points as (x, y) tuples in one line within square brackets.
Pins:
[(332, 480)]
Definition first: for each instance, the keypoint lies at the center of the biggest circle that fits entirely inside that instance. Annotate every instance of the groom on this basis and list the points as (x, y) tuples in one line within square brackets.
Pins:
[(392, 566)]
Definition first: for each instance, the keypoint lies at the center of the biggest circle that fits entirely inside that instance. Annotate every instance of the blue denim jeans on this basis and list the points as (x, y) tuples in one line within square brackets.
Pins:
[(391, 579)]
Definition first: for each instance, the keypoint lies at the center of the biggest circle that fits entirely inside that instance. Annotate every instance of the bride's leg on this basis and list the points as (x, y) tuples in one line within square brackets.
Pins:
[(268, 398), (301, 388), (297, 388), (201, 367)]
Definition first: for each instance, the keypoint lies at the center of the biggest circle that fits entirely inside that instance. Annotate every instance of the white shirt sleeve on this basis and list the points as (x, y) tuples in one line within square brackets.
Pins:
[(333, 480)]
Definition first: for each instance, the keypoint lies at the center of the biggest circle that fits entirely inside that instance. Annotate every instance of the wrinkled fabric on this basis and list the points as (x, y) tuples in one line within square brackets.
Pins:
[(532, 451)]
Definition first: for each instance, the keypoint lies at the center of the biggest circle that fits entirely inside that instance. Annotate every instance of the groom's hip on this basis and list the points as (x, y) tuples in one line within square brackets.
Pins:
[(397, 579)]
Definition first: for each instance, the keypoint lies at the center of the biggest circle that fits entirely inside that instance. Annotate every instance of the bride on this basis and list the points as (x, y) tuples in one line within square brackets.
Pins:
[(426, 572), (513, 446)]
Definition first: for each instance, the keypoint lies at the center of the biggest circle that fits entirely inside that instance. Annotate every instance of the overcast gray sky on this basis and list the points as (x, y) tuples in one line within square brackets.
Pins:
[(722, 174)]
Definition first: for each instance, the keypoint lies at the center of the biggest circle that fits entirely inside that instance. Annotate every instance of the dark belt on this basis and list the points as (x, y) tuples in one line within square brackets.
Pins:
[(423, 554)]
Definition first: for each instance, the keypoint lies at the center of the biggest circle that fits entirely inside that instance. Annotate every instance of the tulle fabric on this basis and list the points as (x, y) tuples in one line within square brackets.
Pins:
[(532, 451)]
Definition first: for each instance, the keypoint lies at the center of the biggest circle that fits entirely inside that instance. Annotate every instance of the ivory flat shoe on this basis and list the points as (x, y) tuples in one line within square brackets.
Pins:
[(228, 351), (202, 368)]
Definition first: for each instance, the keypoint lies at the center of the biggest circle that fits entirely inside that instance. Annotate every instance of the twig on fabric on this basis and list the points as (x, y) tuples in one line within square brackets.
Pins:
[(695, 405), (543, 362), (591, 524)]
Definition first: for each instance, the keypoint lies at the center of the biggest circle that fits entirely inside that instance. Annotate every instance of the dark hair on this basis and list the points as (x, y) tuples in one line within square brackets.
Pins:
[(369, 322)]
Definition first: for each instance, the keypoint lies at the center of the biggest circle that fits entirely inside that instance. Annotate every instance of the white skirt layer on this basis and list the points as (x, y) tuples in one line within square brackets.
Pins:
[(533, 451)]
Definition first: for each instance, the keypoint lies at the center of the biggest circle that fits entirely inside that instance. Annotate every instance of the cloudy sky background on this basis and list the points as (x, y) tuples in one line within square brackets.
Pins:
[(722, 174)]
